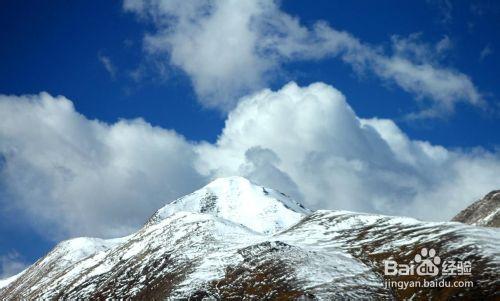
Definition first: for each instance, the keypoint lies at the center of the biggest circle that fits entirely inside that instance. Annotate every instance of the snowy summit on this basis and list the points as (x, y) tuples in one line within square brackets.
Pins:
[(238, 200)]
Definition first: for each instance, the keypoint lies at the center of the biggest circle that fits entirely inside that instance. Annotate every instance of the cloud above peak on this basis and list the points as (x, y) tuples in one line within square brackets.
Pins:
[(69, 175), (232, 48), (312, 137)]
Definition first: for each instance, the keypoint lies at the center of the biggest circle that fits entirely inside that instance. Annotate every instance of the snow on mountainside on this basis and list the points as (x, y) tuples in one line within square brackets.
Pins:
[(375, 238), (9, 280), (484, 212), (235, 240), (62, 258)]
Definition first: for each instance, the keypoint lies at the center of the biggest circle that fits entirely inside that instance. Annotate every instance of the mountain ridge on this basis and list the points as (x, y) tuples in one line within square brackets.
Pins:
[(484, 212), (213, 244)]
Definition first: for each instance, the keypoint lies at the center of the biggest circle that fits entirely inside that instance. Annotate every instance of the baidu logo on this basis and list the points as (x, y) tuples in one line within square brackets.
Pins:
[(427, 263)]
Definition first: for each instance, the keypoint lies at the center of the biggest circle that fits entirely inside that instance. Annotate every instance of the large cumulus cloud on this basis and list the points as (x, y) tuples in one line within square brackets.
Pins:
[(313, 139), (74, 176)]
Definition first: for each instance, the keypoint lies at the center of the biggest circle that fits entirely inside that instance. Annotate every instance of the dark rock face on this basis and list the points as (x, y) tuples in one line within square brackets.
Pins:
[(484, 212)]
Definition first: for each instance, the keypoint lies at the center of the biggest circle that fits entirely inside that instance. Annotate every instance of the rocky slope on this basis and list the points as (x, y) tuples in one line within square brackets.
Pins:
[(233, 240), (484, 212)]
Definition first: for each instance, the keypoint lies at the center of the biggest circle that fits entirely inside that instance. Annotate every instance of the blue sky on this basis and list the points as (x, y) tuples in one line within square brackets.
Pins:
[(98, 56)]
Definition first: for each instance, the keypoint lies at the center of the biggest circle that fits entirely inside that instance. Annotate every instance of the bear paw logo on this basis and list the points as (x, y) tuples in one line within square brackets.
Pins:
[(427, 262)]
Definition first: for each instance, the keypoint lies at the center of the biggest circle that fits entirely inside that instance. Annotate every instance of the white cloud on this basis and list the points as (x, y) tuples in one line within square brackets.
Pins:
[(230, 48), (11, 264), (414, 49), (309, 143), (76, 176), (69, 175)]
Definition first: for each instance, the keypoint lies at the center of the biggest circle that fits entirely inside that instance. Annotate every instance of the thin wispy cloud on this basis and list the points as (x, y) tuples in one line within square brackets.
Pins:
[(487, 50), (107, 64), (444, 45), (232, 48), (445, 9)]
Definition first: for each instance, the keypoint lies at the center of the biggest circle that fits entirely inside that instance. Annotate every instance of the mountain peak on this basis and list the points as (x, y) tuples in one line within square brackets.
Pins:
[(484, 212), (263, 210)]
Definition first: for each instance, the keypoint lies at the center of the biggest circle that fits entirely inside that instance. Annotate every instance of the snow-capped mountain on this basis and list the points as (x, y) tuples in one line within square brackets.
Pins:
[(484, 212), (236, 240), (236, 199)]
